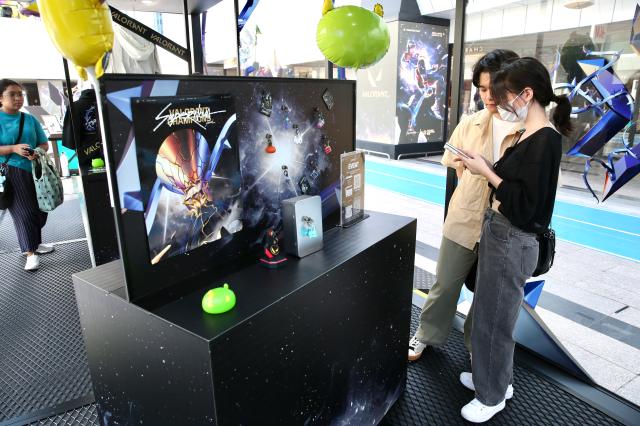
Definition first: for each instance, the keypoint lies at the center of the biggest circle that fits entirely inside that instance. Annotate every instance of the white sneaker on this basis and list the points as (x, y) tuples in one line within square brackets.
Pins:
[(415, 348), (33, 263), (45, 248), (477, 412), (467, 381)]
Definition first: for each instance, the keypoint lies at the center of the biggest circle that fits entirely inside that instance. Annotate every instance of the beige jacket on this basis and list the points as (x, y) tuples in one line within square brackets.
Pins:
[(471, 197)]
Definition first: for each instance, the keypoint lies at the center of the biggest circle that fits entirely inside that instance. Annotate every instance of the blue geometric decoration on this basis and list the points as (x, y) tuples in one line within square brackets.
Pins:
[(532, 292), (122, 99), (609, 98), (127, 169)]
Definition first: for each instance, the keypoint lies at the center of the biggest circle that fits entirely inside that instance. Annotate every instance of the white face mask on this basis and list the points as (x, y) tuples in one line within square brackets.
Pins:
[(520, 114)]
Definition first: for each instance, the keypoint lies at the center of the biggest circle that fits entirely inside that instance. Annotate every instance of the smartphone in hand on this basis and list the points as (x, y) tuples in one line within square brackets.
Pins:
[(29, 151), (452, 149)]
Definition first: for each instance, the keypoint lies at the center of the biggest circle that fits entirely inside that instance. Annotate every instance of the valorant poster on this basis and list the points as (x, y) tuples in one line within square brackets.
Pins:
[(189, 168), (422, 82)]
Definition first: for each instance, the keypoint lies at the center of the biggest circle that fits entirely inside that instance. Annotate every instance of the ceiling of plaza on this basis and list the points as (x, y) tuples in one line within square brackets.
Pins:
[(165, 6)]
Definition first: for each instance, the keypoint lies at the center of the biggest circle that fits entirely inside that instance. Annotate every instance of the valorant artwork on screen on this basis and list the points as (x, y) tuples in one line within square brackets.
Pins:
[(188, 163), (422, 83)]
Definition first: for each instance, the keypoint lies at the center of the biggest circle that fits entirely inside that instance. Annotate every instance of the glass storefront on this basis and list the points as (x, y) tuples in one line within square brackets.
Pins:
[(559, 36)]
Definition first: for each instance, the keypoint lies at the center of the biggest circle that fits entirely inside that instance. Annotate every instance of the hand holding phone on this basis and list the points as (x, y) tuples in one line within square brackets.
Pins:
[(456, 151), (29, 151)]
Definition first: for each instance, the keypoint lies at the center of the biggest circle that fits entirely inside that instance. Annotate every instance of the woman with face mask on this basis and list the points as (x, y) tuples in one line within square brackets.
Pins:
[(20, 134), (523, 184)]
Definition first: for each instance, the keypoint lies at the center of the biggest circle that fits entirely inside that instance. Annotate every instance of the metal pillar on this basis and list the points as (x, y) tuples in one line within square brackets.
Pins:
[(457, 87), (188, 34), (197, 55)]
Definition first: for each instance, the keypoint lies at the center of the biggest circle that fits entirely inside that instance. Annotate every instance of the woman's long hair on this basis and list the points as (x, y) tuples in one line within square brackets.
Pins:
[(525, 72)]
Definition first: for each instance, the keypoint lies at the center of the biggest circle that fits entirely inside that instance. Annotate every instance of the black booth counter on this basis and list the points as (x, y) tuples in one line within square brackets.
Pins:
[(322, 340)]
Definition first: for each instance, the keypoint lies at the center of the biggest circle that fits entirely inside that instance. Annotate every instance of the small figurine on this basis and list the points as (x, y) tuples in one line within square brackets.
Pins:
[(304, 185), (286, 121), (327, 97), (272, 257), (297, 136), (285, 171), (318, 118), (266, 103), (326, 144), (218, 300), (270, 149), (308, 227)]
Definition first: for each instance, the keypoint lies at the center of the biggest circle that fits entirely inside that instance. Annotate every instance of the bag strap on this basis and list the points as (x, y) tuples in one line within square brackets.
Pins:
[(20, 129)]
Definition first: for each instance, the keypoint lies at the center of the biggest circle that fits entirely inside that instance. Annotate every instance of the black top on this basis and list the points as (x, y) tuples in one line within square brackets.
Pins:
[(530, 177), (86, 112)]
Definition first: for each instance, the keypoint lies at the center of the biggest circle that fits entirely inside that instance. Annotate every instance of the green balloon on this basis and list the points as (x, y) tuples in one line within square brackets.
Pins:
[(352, 37), (218, 300)]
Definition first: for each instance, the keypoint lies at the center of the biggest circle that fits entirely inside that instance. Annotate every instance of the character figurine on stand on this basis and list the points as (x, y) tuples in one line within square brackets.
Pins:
[(326, 144), (318, 118), (304, 185), (271, 258), (266, 103), (308, 227), (270, 149), (297, 136), (286, 121)]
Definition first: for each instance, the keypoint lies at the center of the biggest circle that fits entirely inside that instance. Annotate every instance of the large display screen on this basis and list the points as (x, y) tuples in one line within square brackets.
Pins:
[(421, 94), (200, 166)]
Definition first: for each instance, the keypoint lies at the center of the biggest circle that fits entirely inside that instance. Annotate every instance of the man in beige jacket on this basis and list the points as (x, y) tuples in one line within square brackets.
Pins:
[(483, 132)]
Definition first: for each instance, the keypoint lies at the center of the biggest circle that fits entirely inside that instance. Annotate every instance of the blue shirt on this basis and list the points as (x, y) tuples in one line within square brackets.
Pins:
[(32, 135)]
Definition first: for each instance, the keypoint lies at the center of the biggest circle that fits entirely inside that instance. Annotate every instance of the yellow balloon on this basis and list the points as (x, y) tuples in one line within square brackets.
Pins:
[(81, 30)]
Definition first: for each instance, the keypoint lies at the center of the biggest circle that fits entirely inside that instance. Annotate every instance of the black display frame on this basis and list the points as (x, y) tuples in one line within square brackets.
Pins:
[(199, 268)]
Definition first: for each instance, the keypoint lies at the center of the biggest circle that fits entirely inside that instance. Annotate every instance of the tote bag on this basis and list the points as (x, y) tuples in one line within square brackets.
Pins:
[(47, 181)]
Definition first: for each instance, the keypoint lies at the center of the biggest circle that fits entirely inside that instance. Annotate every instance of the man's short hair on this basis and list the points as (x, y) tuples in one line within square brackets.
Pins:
[(491, 62)]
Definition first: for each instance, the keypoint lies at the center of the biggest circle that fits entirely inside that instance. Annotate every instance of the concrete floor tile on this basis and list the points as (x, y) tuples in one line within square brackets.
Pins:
[(630, 316), (616, 352), (604, 372), (631, 391), (585, 298)]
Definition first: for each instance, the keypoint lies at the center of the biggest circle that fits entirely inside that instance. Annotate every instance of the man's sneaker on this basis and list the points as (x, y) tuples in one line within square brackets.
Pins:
[(477, 412), (33, 263), (45, 248), (467, 381), (415, 348)]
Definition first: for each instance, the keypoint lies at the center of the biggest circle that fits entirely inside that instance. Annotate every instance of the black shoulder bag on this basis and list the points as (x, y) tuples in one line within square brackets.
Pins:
[(6, 195), (546, 251)]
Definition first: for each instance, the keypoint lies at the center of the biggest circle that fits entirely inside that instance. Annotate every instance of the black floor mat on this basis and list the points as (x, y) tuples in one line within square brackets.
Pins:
[(423, 280), (434, 395), (63, 224), (42, 357), (83, 416)]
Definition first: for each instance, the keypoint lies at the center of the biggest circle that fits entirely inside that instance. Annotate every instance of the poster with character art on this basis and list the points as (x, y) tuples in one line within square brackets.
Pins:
[(188, 163)]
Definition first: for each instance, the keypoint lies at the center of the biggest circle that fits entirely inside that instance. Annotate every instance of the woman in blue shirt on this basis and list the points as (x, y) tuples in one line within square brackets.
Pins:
[(16, 157)]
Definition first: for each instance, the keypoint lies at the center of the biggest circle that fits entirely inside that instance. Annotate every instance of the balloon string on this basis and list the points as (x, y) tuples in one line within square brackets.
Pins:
[(91, 73)]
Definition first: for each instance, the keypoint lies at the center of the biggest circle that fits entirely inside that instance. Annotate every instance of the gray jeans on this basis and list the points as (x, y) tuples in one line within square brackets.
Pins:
[(506, 259)]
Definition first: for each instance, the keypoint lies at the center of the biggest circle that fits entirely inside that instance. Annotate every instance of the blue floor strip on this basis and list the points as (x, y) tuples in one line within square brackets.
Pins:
[(611, 232)]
